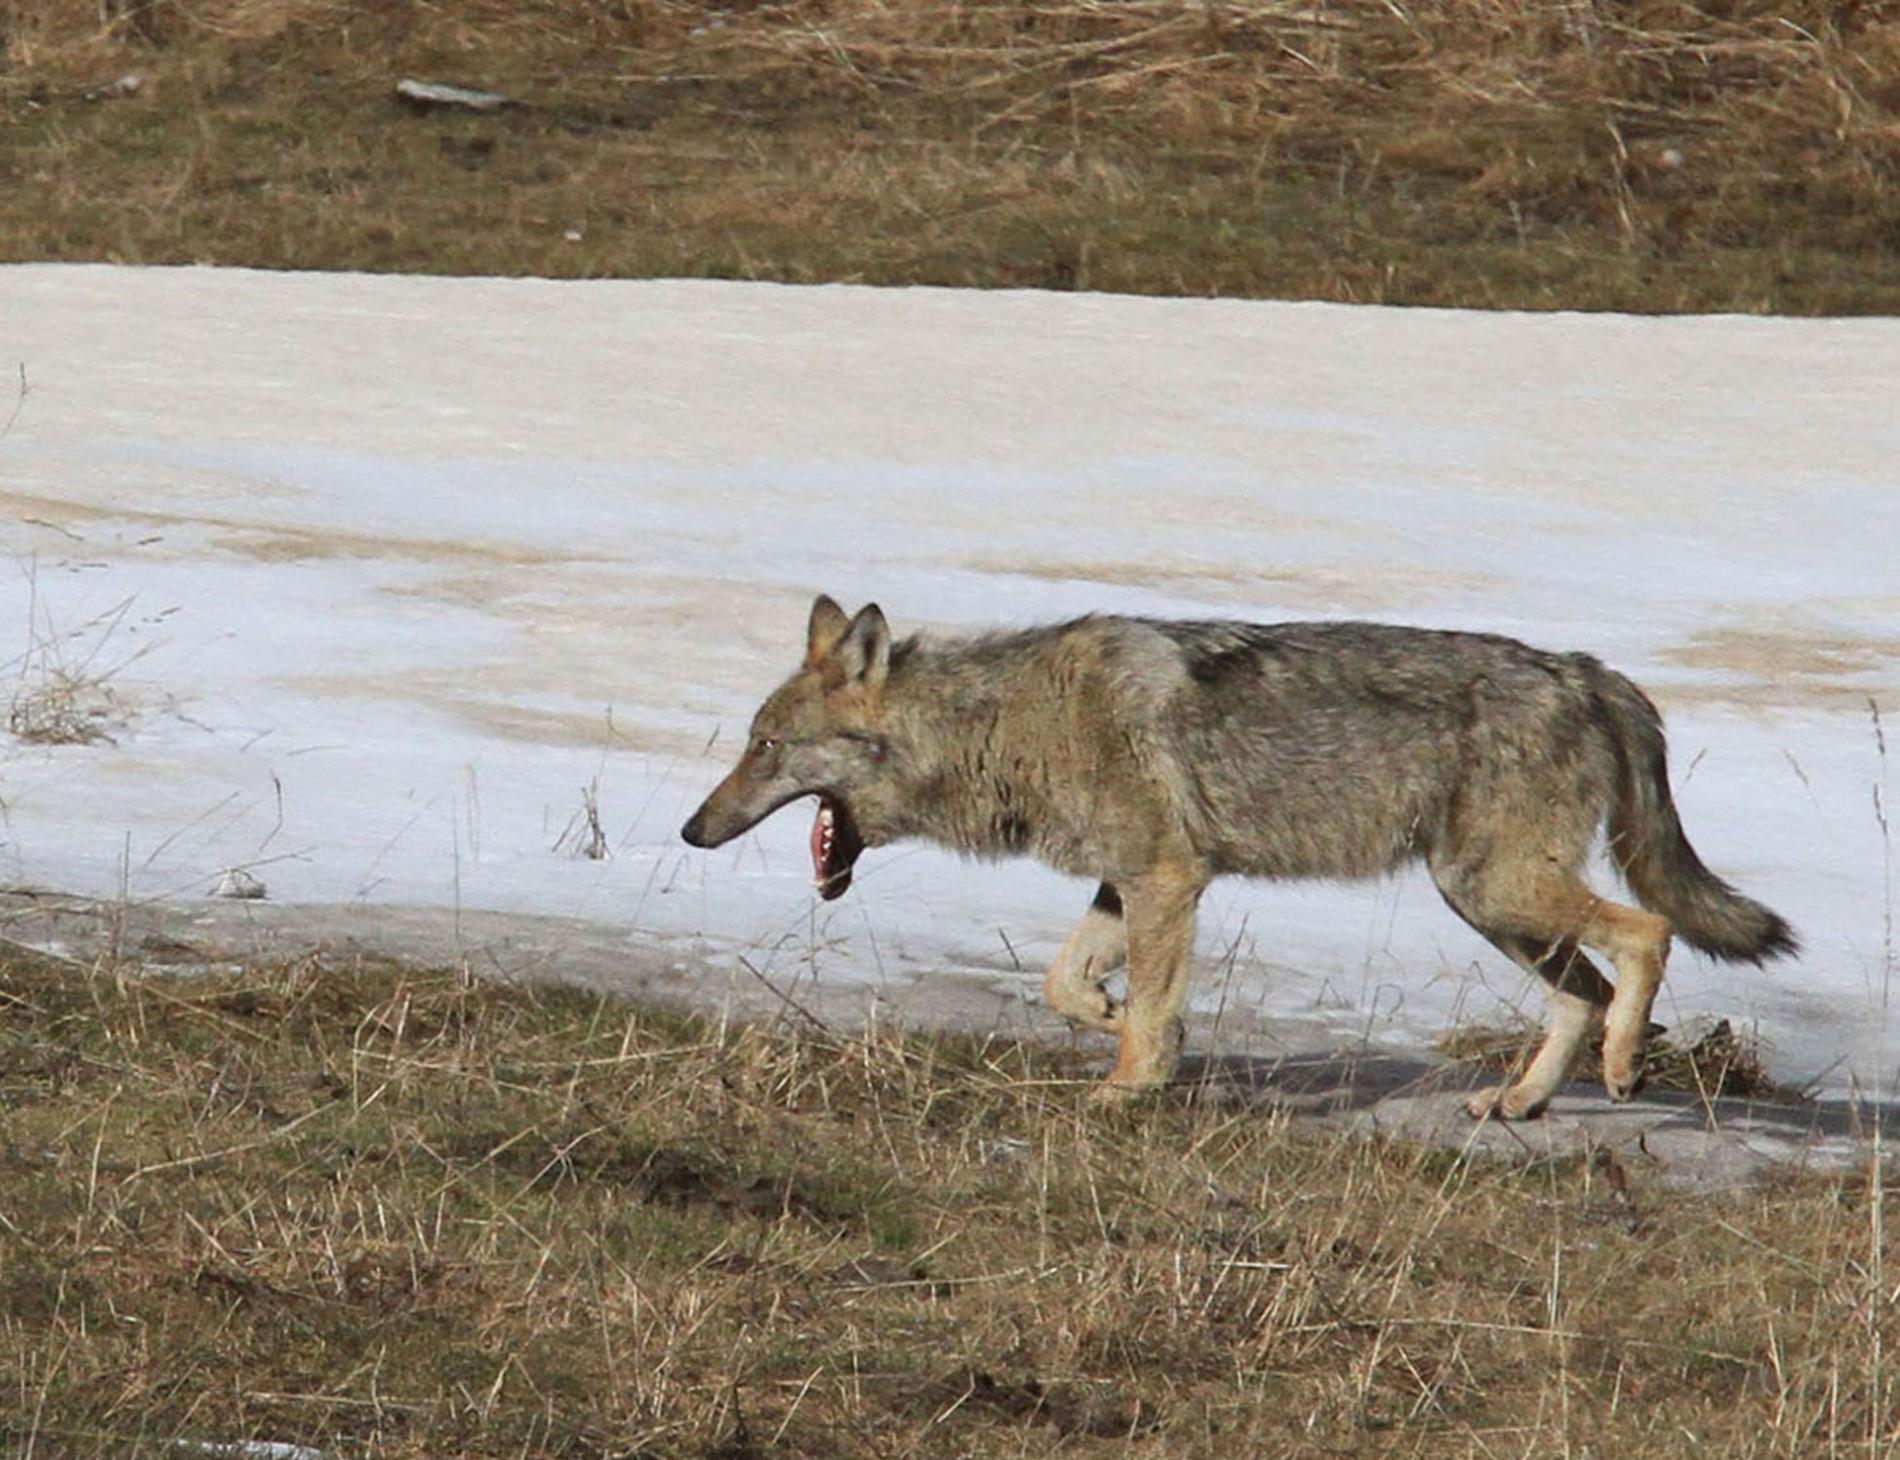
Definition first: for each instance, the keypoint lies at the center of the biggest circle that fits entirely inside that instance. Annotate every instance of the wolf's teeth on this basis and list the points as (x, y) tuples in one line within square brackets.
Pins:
[(825, 817)]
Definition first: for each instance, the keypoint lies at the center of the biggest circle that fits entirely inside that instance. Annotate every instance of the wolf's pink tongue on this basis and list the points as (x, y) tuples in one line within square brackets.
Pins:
[(818, 845)]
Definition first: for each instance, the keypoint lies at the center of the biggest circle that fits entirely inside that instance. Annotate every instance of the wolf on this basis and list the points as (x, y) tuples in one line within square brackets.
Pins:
[(1154, 756)]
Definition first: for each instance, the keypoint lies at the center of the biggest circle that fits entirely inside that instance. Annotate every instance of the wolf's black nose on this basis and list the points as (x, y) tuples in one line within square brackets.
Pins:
[(694, 832)]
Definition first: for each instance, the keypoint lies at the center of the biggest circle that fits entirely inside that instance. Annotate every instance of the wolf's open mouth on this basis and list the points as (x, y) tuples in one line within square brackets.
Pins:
[(835, 844)]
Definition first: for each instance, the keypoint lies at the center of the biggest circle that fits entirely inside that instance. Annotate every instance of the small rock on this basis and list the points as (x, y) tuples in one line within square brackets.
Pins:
[(130, 84), (253, 1449), (241, 884), (427, 94)]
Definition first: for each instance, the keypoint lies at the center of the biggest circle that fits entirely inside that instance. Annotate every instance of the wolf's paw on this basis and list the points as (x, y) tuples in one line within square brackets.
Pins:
[(1505, 1102), (1622, 1071), (1088, 1008), (1623, 1086), (1112, 1095)]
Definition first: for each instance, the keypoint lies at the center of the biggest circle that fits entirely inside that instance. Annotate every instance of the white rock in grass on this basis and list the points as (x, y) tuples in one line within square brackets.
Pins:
[(433, 93), (255, 1450), (130, 84), (239, 883)]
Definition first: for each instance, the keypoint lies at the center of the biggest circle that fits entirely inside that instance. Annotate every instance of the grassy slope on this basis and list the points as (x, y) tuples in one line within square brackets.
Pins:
[(1638, 154), (403, 1213)]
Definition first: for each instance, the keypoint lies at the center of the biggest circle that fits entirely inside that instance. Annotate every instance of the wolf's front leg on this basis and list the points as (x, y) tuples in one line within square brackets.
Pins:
[(1097, 947), (1159, 911)]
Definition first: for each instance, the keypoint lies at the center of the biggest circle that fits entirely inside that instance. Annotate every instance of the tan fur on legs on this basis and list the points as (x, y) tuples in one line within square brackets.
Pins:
[(1578, 995), (1537, 919), (1159, 910), (1637, 942), (1073, 985), (1571, 1022)]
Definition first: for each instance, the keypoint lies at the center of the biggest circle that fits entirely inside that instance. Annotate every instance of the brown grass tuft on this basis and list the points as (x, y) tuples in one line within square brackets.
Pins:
[(63, 690), (64, 708)]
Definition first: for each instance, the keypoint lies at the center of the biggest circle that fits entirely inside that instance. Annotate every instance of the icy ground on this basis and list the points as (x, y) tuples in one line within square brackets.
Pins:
[(367, 579)]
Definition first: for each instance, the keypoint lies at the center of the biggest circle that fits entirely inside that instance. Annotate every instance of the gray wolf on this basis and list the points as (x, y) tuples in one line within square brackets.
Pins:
[(1155, 756)]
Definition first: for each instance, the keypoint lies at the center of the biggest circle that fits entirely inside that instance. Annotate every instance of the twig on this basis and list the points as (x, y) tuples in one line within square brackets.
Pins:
[(19, 403), (787, 1000)]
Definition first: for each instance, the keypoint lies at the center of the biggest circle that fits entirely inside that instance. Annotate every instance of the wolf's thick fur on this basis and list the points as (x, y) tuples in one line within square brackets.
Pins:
[(1155, 756)]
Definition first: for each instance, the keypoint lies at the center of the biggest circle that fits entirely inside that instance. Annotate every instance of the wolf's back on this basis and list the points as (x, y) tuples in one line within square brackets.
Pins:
[(1651, 850)]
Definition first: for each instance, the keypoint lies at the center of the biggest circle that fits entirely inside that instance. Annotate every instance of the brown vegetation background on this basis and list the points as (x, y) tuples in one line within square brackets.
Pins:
[(388, 1212), (1630, 154)]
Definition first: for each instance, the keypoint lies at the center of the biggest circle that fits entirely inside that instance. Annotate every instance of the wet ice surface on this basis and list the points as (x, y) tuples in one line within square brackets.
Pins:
[(382, 572)]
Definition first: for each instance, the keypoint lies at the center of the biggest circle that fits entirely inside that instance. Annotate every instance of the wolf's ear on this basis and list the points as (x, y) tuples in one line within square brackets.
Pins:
[(864, 654), (828, 624)]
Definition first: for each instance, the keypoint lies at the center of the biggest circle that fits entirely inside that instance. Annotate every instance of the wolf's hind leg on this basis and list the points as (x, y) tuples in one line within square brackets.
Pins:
[(1097, 947), (1638, 944), (1579, 993), (1160, 914), (1536, 918)]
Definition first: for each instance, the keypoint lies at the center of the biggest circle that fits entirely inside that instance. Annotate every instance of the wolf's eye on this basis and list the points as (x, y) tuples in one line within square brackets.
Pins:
[(765, 745)]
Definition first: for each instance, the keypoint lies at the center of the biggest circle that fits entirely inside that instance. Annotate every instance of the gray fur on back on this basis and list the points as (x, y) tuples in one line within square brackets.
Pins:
[(1275, 750)]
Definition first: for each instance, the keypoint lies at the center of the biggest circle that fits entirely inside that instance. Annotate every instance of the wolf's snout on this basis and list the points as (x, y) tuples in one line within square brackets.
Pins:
[(694, 832)]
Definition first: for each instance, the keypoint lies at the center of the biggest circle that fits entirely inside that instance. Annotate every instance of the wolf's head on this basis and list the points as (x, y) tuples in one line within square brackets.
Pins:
[(820, 734)]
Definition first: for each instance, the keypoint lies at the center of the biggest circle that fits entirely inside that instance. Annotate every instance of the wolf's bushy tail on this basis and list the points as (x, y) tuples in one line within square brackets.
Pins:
[(1650, 849)]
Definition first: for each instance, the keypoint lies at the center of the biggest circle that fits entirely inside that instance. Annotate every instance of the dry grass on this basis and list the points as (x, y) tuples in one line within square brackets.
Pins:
[(1644, 154), (583, 836), (392, 1212), (63, 681), (62, 707)]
